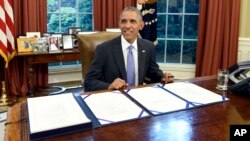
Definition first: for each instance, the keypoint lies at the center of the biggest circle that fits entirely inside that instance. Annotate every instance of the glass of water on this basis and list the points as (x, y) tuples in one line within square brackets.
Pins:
[(222, 79)]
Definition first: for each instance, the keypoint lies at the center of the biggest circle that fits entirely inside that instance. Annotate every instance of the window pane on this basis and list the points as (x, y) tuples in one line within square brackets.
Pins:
[(161, 6), (63, 14), (174, 26), (189, 49), (192, 6), (175, 6), (173, 51), (67, 20), (71, 4), (84, 6), (160, 51), (85, 21), (190, 26), (52, 5), (53, 23), (161, 28)]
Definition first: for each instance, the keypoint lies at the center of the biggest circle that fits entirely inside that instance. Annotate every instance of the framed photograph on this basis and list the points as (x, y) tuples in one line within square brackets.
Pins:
[(54, 44), (75, 41), (74, 30), (67, 41), (33, 34), (41, 45), (46, 35), (59, 35), (25, 44)]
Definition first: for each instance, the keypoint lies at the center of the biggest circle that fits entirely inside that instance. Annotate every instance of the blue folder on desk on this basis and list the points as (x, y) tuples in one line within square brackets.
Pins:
[(112, 107)]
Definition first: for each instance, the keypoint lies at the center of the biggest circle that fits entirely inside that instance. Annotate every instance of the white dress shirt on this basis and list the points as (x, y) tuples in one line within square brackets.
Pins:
[(125, 45)]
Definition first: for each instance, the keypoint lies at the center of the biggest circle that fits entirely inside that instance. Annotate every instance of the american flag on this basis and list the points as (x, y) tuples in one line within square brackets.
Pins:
[(7, 44)]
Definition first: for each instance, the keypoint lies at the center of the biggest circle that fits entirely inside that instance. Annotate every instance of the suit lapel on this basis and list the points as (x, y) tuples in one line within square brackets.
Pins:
[(117, 51), (141, 60)]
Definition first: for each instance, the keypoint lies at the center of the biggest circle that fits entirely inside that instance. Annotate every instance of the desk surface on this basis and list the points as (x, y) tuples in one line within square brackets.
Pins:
[(203, 123), (49, 57)]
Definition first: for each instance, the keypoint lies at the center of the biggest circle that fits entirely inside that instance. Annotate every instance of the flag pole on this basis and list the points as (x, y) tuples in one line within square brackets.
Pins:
[(4, 100), (7, 47)]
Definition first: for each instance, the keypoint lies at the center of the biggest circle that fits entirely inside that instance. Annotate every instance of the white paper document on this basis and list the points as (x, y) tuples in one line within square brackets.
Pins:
[(194, 94), (111, 107), (173, 97), (157, 100), (53, 112)]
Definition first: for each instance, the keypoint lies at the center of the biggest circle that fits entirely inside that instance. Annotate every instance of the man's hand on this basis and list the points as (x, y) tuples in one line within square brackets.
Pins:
[(118, 83), (167, 78)]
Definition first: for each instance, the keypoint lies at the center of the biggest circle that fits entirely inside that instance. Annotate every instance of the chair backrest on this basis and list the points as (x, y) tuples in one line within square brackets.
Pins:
[(86, 32), (87, 46)]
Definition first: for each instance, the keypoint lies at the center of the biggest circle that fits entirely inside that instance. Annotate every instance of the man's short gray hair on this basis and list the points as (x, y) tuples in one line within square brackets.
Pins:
[(134, 9)]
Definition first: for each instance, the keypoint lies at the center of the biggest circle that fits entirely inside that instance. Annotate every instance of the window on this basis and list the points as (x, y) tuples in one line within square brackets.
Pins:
[(63, 14), (177, 31)]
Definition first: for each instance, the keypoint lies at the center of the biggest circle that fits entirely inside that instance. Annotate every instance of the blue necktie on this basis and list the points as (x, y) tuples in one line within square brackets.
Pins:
[(130, 67)]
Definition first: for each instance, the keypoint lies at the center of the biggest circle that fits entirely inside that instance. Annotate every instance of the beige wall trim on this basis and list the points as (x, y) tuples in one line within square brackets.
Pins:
[(179, 71), (58, 75), (243, 49)]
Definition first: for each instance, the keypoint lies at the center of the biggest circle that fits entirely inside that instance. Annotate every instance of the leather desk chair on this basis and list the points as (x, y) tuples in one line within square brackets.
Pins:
[(87, 44)]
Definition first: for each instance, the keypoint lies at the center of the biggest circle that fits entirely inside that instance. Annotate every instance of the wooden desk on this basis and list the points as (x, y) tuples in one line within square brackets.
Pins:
[(207, 123), (45, 57)]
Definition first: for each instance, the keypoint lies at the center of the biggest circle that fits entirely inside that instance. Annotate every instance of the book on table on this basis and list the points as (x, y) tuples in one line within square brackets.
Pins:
[(162, 99), (55, 115), (112, 107), (66, 113)]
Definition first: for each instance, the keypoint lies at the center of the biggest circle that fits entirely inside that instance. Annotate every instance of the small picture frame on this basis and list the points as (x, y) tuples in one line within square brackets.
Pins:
[(59, 35), (33, 34), (25, 44), (46, 35), (41, 45), (74, 30), (67, 41), (54, 44), (75, 41)]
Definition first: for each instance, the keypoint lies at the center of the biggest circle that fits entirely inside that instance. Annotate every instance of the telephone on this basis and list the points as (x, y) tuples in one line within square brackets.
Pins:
[(238, 74)]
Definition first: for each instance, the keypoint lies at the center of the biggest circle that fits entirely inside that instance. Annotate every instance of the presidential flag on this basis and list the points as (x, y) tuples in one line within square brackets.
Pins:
[(149, 15), (7, 44)]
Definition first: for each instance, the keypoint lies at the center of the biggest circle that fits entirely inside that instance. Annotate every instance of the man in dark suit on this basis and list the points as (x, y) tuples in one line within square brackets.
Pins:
[(111, 64)]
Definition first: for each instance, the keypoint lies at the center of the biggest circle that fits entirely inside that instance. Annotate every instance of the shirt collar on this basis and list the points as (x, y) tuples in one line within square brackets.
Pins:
[(126, 44)]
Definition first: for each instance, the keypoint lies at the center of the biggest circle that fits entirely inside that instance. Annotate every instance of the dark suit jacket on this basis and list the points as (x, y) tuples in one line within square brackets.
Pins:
[(108, 64)]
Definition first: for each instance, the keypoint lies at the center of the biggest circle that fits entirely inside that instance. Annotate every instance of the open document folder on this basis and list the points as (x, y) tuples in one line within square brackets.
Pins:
[(173, 97), (54, 115), (113, 107)]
